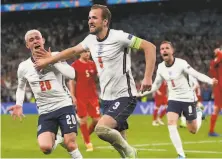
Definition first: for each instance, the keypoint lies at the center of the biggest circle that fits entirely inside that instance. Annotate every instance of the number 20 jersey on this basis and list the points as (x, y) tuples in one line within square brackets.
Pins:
[(48, 86)]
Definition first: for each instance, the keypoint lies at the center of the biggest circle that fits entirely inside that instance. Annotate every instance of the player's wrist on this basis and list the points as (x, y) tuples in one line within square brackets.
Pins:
[(19, 105)]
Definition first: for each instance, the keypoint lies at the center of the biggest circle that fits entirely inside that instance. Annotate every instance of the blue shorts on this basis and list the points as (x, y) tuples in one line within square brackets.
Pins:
[(65, 118), (120, 109), (187, 108)]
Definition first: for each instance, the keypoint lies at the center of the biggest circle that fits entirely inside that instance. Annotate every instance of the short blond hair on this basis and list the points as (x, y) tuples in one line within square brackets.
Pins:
[(167, 42), (30, 32)]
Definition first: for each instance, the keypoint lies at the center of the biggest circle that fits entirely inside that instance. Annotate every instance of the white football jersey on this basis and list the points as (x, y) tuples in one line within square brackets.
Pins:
[(177, 78), (48, 87), (113, 62)]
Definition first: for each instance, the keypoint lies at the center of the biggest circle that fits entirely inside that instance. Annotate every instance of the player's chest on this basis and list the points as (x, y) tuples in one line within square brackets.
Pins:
[(170, 73), (34, 76), (108, 49)]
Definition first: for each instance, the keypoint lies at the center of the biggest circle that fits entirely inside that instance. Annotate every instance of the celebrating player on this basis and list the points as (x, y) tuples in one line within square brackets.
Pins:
[(181, 98), (84, 95), (216, 72), (52, 97), (160, 97), (110, 51)]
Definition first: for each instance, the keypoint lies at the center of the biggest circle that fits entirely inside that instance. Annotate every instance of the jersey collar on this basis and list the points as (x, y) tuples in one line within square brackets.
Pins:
[(32, 59), (171, 64), (100, 40)]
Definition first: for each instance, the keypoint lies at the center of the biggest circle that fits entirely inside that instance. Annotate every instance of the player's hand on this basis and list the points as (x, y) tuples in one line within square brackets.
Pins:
[(16, 112), (146, 85), (215, 81), (41, 63), (42, 53)]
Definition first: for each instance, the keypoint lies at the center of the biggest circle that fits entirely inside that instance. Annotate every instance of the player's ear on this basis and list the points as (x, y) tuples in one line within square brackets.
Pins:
[(43, 39), (26, 44), (105, 22)]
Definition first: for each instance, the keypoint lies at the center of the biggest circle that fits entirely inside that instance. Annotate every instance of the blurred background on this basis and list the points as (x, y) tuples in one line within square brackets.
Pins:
[(193, 26)]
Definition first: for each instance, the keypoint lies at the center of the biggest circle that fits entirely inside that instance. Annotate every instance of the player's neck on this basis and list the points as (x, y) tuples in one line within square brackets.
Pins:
[(170, 62), (83, 60), (33, 57), (103, 34)]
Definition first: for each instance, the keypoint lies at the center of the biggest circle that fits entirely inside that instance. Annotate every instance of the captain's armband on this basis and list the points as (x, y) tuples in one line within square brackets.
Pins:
[(136, 43)]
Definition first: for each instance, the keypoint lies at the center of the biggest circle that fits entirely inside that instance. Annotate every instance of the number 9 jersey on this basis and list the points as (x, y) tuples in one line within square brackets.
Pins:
[(48, 87)]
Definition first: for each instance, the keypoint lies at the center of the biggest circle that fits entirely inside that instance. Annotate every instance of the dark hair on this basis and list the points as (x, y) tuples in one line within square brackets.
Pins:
[(106, 14), (167, 42)]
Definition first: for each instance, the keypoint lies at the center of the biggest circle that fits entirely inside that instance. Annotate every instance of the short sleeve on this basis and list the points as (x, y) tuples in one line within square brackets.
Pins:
[(129, 40)]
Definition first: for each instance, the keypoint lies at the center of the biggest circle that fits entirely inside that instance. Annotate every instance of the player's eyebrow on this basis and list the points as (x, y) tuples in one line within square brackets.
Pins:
[(92, 17)]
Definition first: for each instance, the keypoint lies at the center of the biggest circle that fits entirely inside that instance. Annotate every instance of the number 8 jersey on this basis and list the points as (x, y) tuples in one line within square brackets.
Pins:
[(178, 82), (48, 87)]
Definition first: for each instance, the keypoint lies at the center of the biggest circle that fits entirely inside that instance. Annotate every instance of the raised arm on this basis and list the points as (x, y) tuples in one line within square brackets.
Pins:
[(63, 55), (201, 77)]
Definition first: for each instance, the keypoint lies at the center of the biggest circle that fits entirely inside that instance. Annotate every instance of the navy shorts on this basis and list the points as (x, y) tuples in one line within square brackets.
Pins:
[(187, 108), (65, 118), (120, 109)]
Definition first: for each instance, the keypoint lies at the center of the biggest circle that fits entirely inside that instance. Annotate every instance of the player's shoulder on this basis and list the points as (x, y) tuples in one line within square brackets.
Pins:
[(25, 64), (161, 65), (90, 37), (179, 60), (114, 31), (117, 33)]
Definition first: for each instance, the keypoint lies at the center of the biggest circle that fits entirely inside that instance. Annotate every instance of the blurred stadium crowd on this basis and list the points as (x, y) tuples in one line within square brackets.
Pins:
[(195, 34)]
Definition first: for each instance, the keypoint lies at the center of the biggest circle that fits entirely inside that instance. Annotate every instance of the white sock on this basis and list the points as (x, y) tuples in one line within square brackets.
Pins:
[(175, 138), (183, 120), (76, 154), (199, 118)]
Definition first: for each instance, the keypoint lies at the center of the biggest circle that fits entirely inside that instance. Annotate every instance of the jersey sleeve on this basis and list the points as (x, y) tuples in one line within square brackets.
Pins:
[(65, 69), (20, 92), (129, 40), (190, 71), (85, 43)]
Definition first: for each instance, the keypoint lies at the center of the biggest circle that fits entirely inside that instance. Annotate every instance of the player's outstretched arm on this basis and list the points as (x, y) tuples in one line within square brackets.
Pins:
[(155, 86), (16, 112), (201, 77), (65, 69), (20, 95), (65, 54)]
